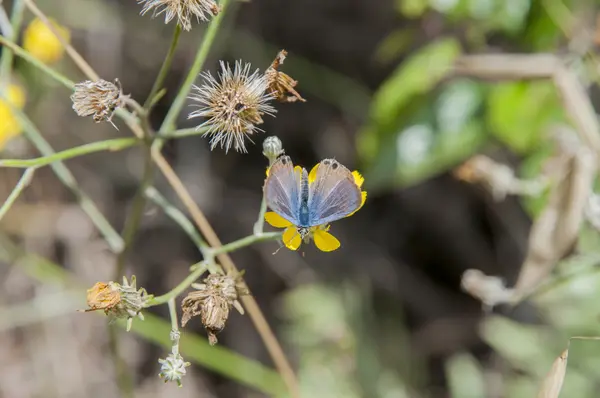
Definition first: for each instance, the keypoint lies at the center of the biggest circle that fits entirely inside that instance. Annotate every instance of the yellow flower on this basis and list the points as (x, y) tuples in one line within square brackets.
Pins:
[(320, 234), (42, 43), (9, 125)]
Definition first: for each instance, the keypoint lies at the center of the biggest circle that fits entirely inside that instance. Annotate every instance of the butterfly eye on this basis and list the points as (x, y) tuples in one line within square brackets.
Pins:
[(326, 162), (334, 165), (283, 161)]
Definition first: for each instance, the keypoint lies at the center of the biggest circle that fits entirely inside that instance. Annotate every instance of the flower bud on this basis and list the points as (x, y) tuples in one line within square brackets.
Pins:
[(272, 148), (172, 368)]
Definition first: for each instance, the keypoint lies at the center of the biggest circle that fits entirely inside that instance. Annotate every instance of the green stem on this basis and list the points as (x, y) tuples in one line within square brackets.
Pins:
[(182, 133), (116, 144), (187, 282), (247, 241), (201, 55), (21, 185), (113, 145), (137, 209), (174, 326), (180, 218), (16, 19), (66, 177), (164, 69), (259, 225), (37, 63)]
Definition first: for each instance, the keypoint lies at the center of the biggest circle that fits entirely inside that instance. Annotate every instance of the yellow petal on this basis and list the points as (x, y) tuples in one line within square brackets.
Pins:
[(325, 241), (268, 168), (358, 179), (312, 176), (291, 238), (275, 220)]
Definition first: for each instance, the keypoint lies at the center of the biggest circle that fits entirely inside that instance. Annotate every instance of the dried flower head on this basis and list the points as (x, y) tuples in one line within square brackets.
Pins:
[(280, 84), (212, 301), (118, 301), (184, 10), (99, 99), (234, 105), (172, 368)]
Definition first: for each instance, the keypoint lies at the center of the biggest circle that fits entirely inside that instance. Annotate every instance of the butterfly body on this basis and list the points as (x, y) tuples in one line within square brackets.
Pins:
[(328, 194)]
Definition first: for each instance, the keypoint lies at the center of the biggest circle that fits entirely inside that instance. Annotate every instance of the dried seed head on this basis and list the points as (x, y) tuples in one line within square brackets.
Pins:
[(172, 368), (118, 301), (99, 99), (103, 296), (234, 105), (183, 10), (272, 148), (212, 301), (280, 84)]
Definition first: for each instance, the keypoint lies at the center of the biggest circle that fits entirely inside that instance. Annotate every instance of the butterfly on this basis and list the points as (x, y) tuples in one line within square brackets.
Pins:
[(311, 201)]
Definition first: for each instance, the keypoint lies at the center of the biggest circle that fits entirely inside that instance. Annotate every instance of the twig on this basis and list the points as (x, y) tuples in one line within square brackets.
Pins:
[(164, 69), (24, 181), (555, 231)]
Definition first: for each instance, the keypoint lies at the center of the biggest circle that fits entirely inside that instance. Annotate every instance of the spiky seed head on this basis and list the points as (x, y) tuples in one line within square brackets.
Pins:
[(233, 105), (98, 99), (183, 10)]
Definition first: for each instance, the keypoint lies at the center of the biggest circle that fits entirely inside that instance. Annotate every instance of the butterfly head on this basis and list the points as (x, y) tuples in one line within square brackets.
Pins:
[(304, 233)]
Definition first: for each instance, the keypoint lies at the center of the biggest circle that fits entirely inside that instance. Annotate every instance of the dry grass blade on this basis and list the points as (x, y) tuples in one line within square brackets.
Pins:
[(554, 379)]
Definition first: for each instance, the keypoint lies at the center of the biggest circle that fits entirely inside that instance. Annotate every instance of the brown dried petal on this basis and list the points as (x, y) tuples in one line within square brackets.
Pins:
[(102, 296), (214, 314), (281, 84)]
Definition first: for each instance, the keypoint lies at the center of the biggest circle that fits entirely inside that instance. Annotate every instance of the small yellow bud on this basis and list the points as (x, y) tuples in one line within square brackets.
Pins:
[(42, 43), (9, 125)]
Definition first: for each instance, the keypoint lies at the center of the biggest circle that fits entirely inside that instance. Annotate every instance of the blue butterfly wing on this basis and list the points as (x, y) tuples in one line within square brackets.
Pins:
[(282, 190), (333, 194)]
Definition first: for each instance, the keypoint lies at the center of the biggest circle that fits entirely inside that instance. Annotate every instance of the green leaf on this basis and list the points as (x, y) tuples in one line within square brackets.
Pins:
[(417, 75), (518, 112)]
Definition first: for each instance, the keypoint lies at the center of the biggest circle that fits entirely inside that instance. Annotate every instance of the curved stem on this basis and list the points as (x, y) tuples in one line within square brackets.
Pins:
[(176, 215), (24, 181), (209, 37), (66, 177), (137, 209), (184, 284), (164, 69), (115, 144), (247, 241)]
